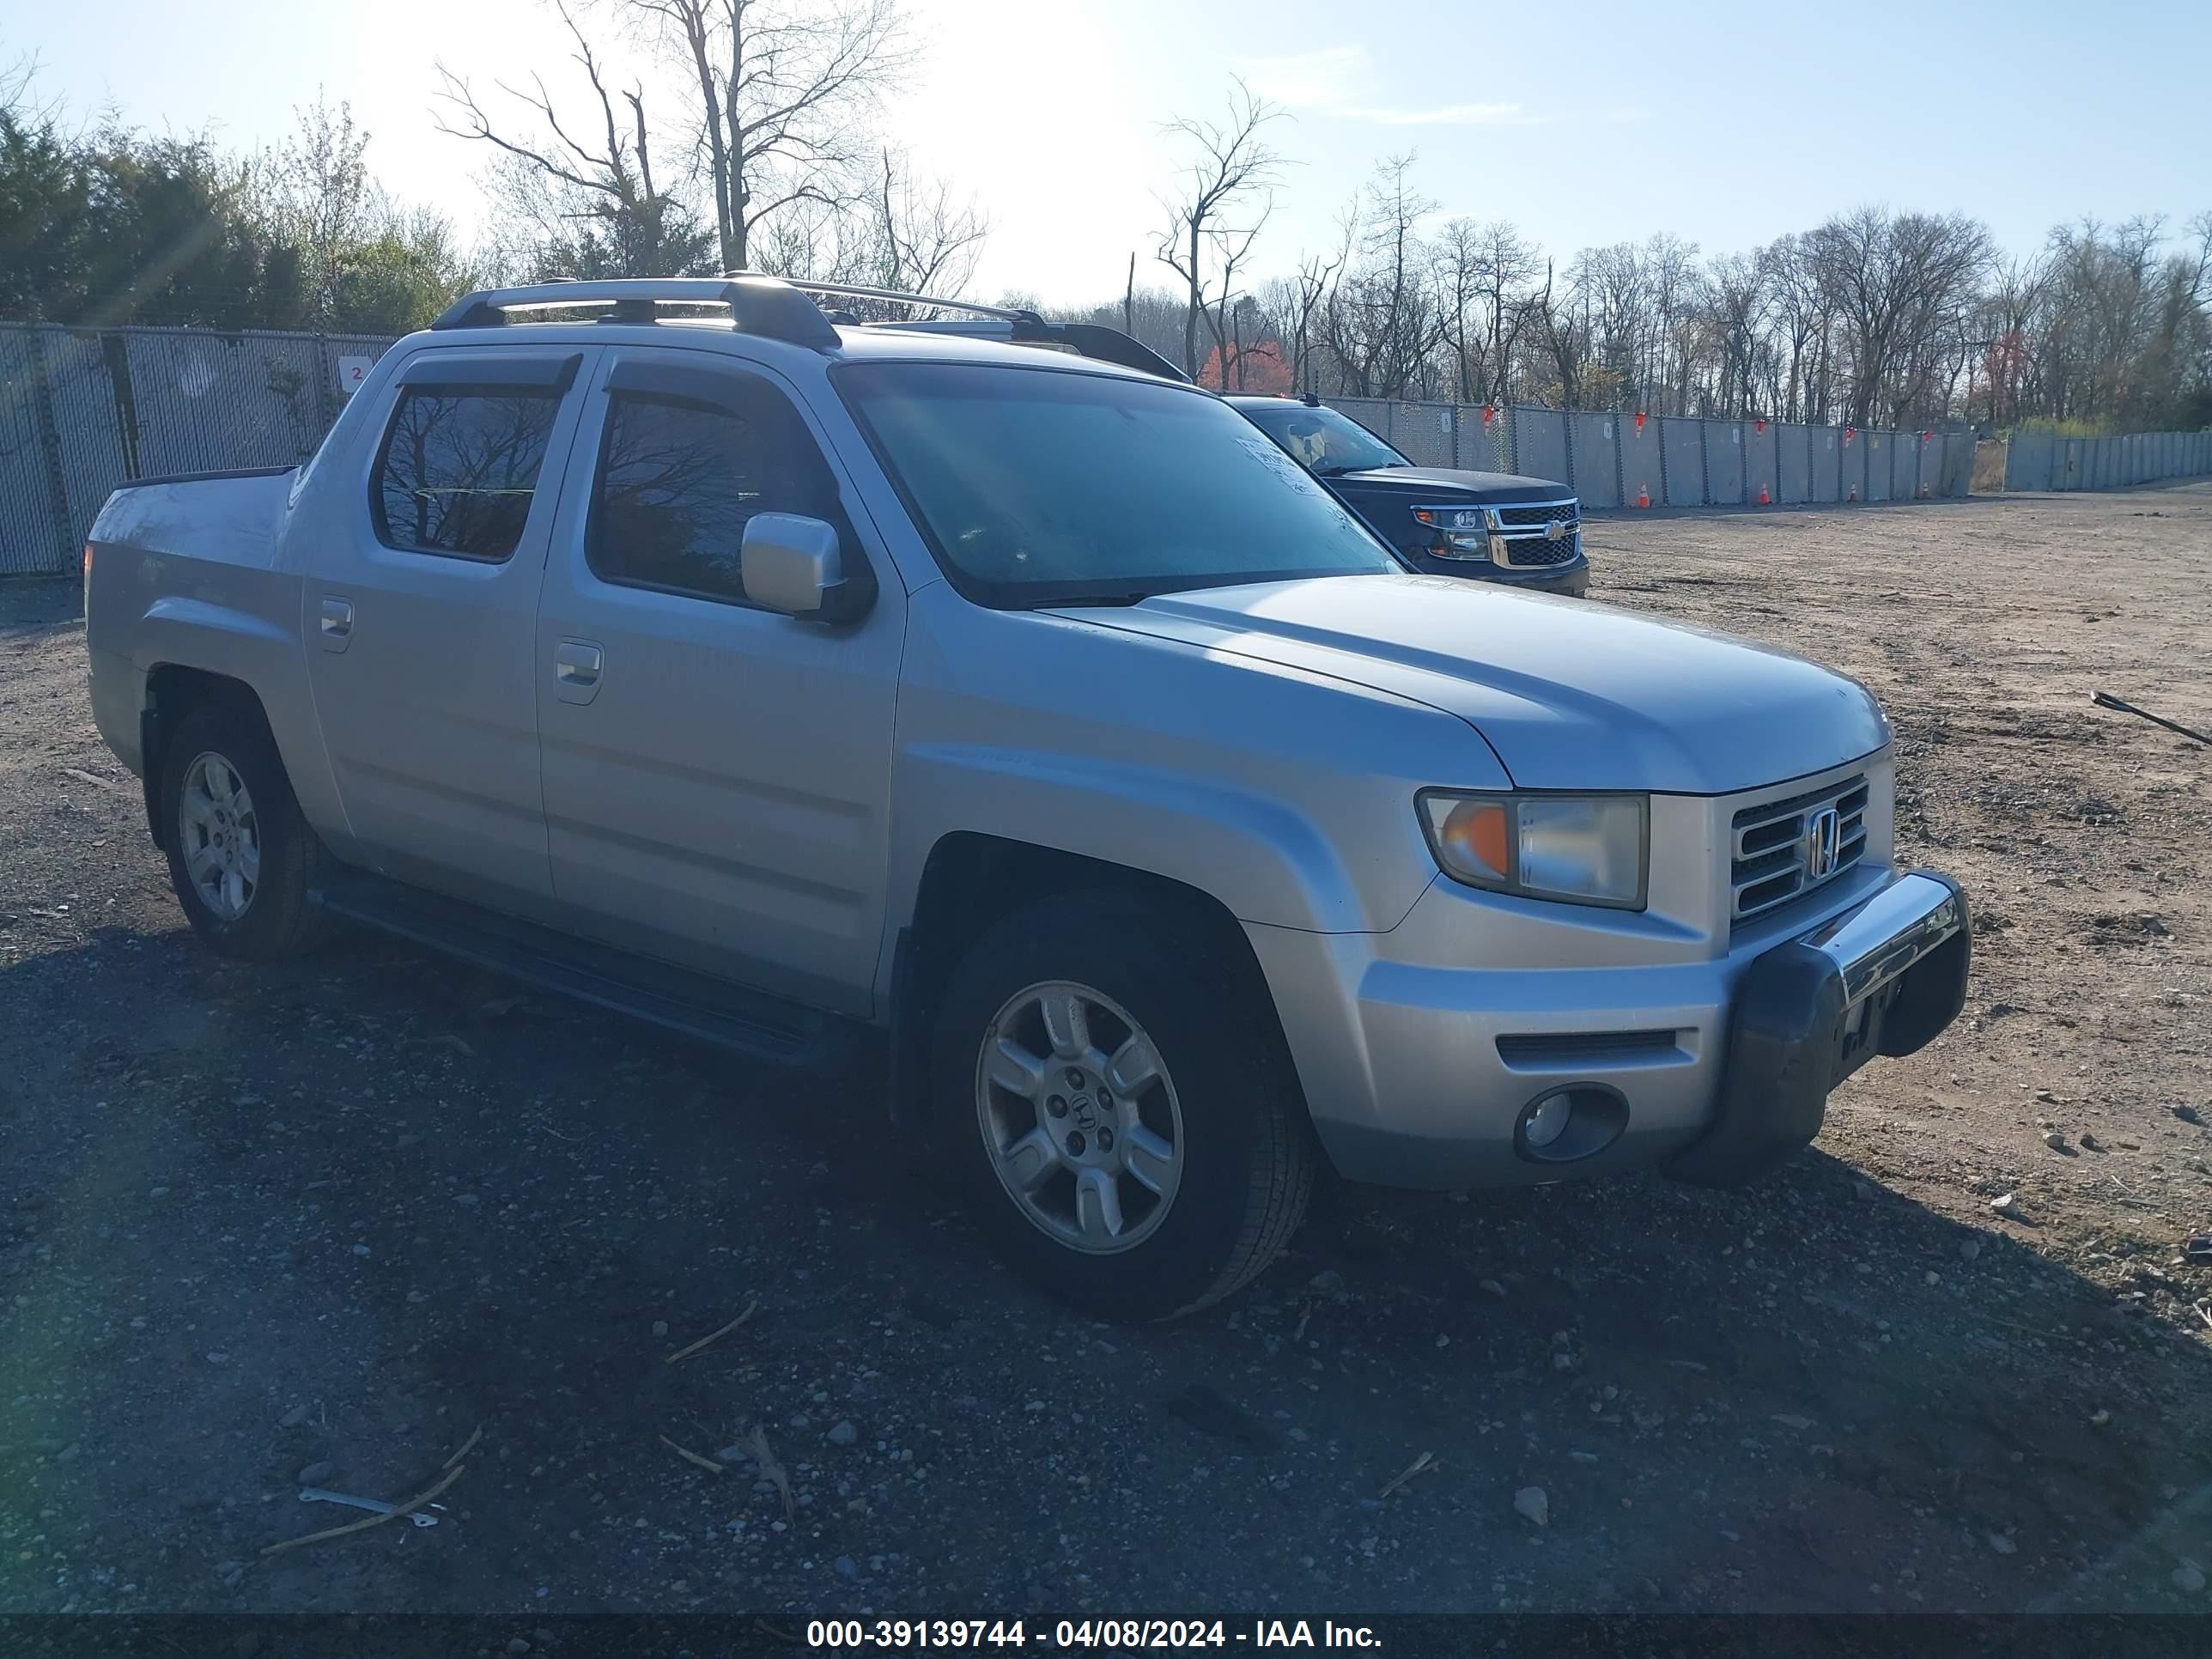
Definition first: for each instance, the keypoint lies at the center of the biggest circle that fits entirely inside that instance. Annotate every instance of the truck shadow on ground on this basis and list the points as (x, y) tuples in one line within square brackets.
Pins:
[(343, 1213)]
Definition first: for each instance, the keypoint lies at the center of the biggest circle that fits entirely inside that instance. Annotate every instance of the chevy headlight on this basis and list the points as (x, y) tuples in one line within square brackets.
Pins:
[(1591, 850)]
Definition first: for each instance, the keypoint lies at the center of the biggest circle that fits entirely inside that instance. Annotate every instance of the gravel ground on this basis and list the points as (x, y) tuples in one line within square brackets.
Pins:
[(325, 1224)]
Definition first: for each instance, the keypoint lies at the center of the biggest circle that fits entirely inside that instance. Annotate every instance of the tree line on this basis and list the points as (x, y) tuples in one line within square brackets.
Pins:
[(1874, 316), (750, 135)]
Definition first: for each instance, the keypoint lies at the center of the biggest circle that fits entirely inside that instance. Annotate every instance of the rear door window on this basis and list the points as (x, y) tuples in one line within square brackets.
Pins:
[(459, 467)]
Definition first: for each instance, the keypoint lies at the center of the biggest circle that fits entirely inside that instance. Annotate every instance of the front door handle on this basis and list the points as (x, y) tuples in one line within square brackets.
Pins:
[(576, 665), (337, 623)]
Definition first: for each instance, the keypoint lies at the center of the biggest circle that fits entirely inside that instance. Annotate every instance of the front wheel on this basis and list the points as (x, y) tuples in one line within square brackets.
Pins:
[(1119, 1106)]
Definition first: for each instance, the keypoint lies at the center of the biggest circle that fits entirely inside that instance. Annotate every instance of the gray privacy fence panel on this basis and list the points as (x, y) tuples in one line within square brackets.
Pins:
[(1682, 449), (1851, 466), (2028, 461), (1724, 463), (88, 440), (1593, 452), (1643, 471), (1762, 482), (1422, 432), (32, 524), (1879, 447), (206, 402), (1793, 461), (1485, 439), (1540, 442), (1828, 451)]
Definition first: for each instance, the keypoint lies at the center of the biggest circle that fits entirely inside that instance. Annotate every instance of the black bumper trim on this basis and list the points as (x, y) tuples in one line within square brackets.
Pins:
[(1810, 1012)]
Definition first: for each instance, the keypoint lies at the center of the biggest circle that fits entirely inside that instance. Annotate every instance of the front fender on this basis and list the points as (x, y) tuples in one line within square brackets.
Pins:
[(1262, 860)]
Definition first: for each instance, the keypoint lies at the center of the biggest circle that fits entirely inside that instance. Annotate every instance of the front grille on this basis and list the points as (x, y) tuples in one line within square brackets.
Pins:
[(1525, 552), (1523, 531), (1772, 852), (1539, 514)]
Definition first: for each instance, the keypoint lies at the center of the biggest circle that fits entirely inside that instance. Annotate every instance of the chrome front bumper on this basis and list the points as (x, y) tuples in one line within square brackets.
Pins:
[(1416, 1069)]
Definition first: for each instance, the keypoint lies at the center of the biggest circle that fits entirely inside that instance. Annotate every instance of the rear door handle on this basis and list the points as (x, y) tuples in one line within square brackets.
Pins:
[(576, 665), (337, 623)]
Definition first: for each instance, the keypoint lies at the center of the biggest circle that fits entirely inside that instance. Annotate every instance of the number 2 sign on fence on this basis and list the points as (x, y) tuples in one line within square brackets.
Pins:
[(352, 371)]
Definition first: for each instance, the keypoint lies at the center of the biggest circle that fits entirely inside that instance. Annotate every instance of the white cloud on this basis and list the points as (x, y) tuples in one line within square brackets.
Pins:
[(1335, 81), (1308, 80), (1448, 115)]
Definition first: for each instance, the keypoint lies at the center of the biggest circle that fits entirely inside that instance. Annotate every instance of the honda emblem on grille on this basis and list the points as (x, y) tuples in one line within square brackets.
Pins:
[(1824, 838)]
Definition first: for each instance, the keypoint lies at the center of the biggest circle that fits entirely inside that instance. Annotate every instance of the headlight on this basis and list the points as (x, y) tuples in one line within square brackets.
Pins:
[(1588, 848), (1460, 533)]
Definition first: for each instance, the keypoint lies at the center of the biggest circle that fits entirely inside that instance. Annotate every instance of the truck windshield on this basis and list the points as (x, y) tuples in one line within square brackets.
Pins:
[(1329, 442), (1043, 486)]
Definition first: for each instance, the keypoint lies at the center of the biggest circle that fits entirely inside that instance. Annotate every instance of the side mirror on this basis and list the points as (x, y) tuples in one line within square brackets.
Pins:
[(795, 565)]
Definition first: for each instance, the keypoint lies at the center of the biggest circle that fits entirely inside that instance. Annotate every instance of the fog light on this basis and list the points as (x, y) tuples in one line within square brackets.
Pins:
[(1547, 1119)]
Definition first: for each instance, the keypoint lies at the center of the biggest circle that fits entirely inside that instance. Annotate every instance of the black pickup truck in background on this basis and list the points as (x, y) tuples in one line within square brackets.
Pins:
[(1525, 532)]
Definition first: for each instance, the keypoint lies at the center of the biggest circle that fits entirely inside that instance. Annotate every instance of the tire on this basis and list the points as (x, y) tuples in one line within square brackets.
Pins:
[(1185, 1229), (264, 852)]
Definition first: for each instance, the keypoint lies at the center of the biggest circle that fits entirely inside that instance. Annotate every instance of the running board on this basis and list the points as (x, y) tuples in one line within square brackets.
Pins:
[(698, 1006)]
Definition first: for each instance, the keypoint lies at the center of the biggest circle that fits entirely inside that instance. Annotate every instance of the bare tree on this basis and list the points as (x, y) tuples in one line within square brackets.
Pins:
[(1737, 299), (1292, 304), (594, 204), (783, 89), (1230, 179), (1382, 319), (1800, 309), (910, 234), (1897, 281)]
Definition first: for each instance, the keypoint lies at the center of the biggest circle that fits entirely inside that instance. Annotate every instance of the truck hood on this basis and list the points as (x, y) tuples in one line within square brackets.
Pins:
[(1442, 486), (1570, 695)]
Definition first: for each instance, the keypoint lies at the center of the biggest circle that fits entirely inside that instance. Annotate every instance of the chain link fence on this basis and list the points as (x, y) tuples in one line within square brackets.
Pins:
[(84, 411)]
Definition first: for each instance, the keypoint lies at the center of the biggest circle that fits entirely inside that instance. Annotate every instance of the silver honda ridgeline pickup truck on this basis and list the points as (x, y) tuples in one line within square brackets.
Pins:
[(1033, 718)]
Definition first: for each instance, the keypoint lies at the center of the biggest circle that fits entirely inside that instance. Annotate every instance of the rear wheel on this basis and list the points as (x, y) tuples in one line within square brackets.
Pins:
[(1119, 1105), (240, 855)]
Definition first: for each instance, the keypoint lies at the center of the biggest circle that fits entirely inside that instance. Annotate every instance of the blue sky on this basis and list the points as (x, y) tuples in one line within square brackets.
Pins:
[(1725, 123)]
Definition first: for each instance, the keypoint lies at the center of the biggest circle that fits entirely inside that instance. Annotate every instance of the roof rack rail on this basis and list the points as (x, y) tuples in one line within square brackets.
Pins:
[(894, 296), (764, 306), (777, 309), (1022, 325)]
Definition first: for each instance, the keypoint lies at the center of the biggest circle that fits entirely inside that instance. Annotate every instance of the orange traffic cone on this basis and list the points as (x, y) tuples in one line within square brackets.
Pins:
[(1642, 495), (1854, 495), (1763, 499)]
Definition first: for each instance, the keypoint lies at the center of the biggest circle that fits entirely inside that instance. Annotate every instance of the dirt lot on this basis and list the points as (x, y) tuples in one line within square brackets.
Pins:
[(347, 1215)]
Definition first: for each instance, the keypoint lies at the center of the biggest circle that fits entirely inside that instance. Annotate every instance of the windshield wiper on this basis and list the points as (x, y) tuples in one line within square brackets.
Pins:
[(1104, 596)]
